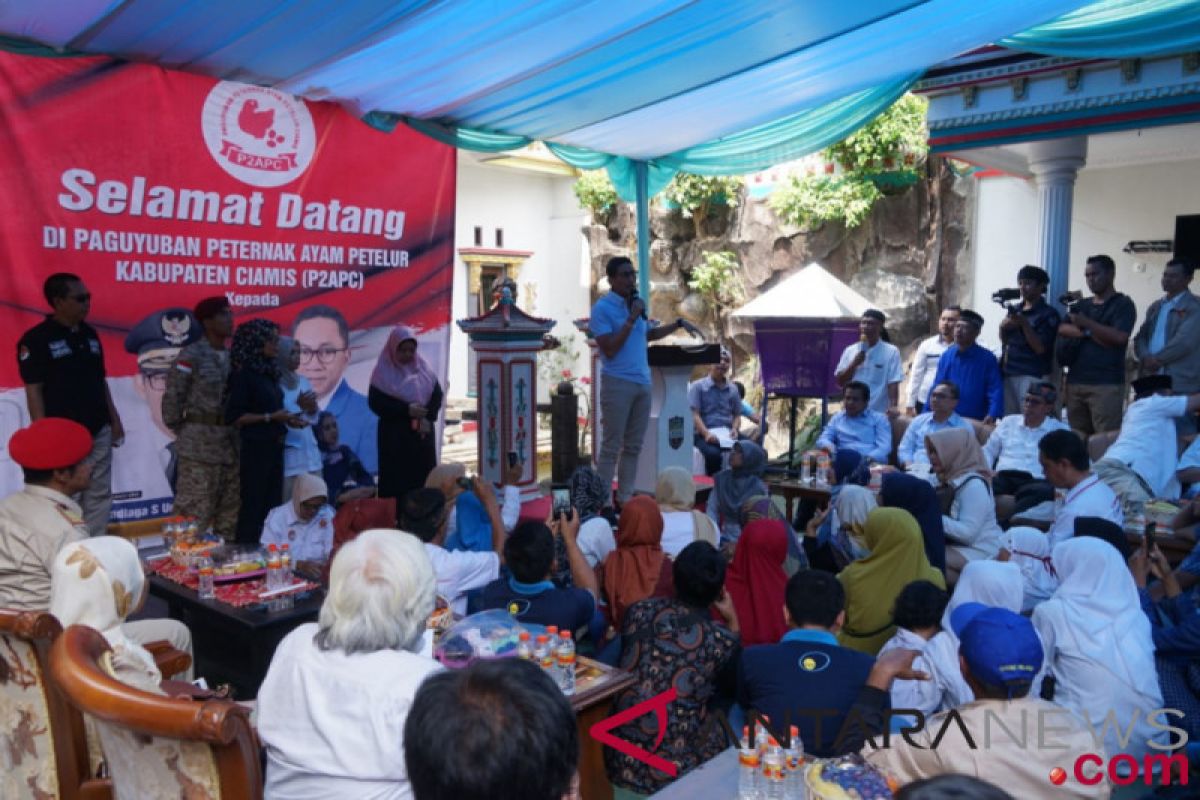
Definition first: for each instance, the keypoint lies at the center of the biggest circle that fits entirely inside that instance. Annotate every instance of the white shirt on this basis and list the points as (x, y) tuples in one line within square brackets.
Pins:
[(1014, 445), (333, 724), (971, 526), (937, 654), (1190, 460), (307, 541), (1091, 497), (924, 368), (679, 530), (596, 540), (460, 571), (881, 367), (1148, 440)]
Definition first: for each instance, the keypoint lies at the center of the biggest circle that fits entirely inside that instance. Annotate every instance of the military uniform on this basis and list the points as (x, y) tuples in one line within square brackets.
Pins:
[(206, 448), (35, 523)]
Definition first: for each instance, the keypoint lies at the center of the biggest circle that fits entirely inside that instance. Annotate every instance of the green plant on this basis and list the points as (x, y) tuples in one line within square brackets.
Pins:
[(719, 280), (696, 194), (812, 199), (595, 191), (879, 157)]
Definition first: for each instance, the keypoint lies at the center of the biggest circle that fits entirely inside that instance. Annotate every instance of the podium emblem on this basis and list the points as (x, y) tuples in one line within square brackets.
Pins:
[(675, 432)]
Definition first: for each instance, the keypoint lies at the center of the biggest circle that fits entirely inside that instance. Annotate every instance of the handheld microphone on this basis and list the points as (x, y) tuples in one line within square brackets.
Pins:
[(633, 297)]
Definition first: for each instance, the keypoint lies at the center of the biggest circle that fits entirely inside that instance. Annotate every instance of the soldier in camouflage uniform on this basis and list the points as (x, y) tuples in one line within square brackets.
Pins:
[(194, 407)]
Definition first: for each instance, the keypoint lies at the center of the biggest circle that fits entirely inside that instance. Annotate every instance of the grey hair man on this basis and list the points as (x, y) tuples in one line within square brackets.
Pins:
[(332, 709)]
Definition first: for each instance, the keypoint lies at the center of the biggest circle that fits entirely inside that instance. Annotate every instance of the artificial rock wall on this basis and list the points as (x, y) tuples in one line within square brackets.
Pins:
[(910, 256)]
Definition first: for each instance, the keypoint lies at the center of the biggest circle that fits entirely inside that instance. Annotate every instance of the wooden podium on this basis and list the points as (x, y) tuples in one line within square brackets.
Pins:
[(669, 436)]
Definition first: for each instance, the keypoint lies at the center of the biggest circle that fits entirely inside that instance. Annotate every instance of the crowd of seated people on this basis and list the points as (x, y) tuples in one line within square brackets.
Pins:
[(986, 575)]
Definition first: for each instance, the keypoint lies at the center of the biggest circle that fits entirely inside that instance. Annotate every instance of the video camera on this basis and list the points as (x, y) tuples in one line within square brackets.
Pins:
[(1004, 298), (1070, 301)]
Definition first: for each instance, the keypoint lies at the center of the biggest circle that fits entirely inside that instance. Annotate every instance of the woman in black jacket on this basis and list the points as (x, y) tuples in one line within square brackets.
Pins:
[(255, 407)]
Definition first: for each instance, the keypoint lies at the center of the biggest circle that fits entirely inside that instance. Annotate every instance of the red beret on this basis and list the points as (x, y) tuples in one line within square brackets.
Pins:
[(50, 443)]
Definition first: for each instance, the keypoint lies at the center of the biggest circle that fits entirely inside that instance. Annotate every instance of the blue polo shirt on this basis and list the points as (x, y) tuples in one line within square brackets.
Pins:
[(718, 405), (807, 680), (976, 373), (540, 603), (630, 363)]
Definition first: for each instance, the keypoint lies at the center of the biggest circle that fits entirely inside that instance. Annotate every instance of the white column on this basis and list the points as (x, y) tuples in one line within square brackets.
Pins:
[(1055, 163)]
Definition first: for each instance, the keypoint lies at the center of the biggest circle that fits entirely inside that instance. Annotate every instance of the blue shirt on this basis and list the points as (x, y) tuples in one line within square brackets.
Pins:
[(357, 425), (976, 373), (718, 405), (869, 434), (912, 446), (806, 680), (540, 603), (630, 362)]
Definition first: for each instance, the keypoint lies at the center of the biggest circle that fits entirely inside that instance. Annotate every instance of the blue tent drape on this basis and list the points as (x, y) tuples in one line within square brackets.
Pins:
[(1117, 29)]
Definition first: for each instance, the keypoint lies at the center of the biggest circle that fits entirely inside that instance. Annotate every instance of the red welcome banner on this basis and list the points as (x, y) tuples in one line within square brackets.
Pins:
[(161, 188)]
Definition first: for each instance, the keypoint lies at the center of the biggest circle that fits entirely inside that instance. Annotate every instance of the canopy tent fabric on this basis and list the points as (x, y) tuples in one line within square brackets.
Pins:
[(642, 88), (812, 293), (801, 328), (696, 85)]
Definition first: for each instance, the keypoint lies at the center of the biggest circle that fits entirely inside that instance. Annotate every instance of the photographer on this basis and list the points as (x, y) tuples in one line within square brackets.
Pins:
[(1091, 346), (1027, 333)]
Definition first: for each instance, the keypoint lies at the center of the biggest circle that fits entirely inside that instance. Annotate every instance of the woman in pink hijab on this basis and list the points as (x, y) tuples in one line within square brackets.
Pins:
[(406, 397)]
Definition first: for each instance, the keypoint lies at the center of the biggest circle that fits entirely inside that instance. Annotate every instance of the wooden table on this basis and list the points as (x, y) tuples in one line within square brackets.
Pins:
[(792, 488), (233, 645), (597, 687)]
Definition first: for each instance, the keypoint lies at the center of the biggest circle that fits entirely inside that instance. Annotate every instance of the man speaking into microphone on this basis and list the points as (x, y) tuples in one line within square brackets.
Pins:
[(621, 330)]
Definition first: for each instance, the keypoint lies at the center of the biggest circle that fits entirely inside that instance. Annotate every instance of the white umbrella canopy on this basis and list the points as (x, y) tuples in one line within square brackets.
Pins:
[(812, 293)]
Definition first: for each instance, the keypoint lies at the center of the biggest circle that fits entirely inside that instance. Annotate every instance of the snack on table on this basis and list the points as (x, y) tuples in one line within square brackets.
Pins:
[(186, 552), (848, 778), (237, 563)]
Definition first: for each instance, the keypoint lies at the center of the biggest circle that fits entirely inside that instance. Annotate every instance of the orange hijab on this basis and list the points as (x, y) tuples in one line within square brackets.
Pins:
[(631, 571)]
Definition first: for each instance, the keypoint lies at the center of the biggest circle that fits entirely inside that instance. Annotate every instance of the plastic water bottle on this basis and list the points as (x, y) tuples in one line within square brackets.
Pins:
[(566, 663), (272, 567), (749, 766), (544, 655), (285, 565), (774, 771), (793, 754), (524, 647), (207, 588)]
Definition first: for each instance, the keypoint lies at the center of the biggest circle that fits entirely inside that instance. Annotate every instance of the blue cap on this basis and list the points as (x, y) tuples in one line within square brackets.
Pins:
[(1000, 646), (157, 339)]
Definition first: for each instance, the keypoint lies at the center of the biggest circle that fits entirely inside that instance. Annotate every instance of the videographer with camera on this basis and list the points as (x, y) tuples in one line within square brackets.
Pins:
[(1027, 334), (1091, 347)]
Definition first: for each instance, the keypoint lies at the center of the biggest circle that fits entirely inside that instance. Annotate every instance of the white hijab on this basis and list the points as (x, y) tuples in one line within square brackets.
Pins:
[(993, 583), (98, 582), (1030, 551), (1096, 614)]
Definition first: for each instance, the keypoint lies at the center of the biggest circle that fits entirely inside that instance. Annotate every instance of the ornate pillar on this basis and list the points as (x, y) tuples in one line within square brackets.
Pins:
[(506, 341), (1055, 163)]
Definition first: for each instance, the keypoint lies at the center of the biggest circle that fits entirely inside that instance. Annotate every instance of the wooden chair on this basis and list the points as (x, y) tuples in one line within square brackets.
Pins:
[(43, 734), (158, 746)]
